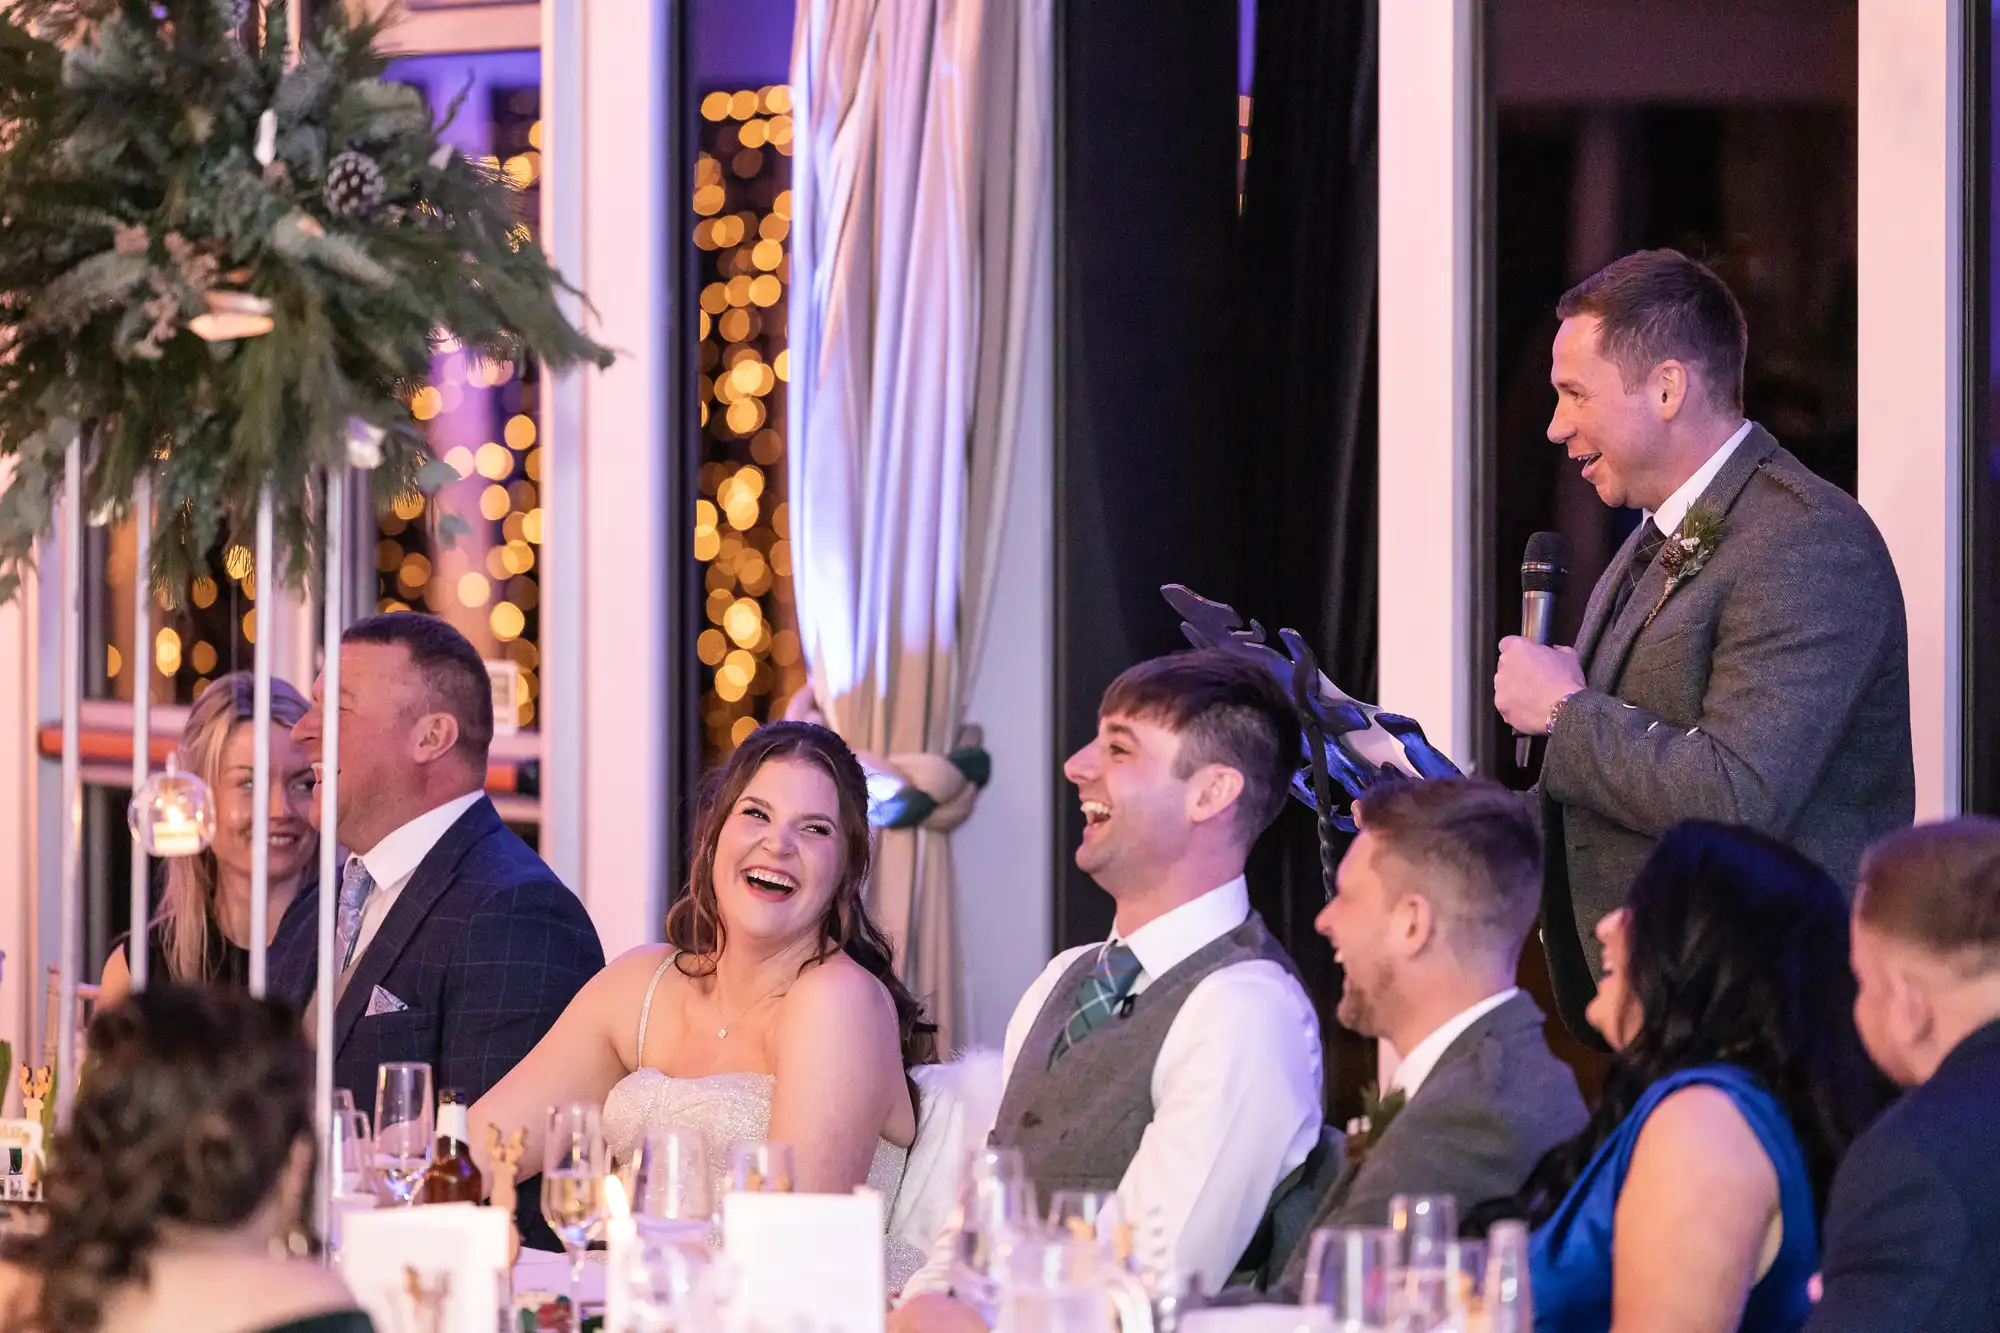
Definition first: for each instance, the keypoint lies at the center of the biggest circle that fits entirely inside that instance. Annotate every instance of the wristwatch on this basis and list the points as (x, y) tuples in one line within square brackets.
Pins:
[(1556, 712)]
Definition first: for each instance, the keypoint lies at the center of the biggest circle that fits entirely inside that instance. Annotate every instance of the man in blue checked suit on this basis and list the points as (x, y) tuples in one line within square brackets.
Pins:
[(455, 943)]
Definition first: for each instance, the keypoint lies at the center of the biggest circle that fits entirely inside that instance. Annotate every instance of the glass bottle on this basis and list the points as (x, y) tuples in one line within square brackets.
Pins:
[(452, 1178)]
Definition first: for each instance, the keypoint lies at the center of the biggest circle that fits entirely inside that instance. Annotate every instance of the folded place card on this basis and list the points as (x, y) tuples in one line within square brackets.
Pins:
[(806, 1260), (1258, 1319), (404, 1263)]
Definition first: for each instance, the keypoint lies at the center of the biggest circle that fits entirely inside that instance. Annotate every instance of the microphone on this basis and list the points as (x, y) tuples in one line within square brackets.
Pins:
[(1544, 571)]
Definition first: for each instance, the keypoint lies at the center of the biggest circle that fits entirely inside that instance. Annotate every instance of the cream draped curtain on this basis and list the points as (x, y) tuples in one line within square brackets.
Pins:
[(921, 276)]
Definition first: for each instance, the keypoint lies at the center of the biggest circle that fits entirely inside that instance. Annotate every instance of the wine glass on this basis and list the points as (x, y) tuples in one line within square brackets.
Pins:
[(672, 1194), (996, 1209), (760, 1168), (404, 1137), (574, 1159), (1054, 1286), (1088, 1215), (1426, 1226), (349, 1149), (665, 1284), (1348, 1272)]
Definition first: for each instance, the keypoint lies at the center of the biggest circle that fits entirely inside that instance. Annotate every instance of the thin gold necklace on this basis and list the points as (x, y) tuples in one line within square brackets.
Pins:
[(722, 1033)]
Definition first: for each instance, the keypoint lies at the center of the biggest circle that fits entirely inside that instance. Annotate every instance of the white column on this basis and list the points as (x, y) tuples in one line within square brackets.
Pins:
[(608, 448), (1428, 118), (20, 765), (1914, 96)]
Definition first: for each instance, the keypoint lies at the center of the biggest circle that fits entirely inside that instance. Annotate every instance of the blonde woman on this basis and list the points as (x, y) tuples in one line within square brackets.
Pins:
[(201, 932)]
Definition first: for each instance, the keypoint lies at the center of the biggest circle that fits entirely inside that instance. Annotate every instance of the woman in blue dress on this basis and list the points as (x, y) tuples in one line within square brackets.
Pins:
[(1691, 1201)]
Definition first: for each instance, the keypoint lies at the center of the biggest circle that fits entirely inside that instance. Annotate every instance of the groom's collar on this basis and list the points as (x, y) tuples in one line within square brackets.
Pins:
[(1171, 938)]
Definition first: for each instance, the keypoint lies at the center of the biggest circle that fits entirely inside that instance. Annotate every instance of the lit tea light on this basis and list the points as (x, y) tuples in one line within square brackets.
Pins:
[(172, 814)]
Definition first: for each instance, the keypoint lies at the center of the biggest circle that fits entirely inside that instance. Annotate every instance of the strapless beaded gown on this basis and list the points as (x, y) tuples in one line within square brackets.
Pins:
[(727, 1109)]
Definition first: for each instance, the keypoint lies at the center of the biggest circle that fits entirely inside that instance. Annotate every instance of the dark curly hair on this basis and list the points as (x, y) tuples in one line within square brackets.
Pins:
[(189, 1112), (1738, 955), (694, 924)]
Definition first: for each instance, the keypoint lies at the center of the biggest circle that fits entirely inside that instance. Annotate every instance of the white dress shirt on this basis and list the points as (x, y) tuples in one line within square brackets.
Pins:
[(394, 860), (1674, 508), (1236, 1091), (1423, 1057)]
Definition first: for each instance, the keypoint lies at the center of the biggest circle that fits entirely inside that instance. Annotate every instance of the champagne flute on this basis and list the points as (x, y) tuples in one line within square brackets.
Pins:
[(760, 1168), (1509, 1306), (404, 1116), (574, 1160), (672, 1194)]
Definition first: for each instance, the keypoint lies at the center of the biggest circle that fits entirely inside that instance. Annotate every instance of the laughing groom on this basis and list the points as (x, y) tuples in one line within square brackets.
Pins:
[(1178, 1062), (1744, 657)]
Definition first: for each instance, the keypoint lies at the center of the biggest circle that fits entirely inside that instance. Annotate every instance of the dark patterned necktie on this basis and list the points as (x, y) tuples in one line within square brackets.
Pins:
[(1651, 539), (1109, 982)]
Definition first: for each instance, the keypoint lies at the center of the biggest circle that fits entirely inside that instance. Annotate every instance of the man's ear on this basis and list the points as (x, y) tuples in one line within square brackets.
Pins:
[(1215, 791), (1415, 924), (437, 736), (1671, 384)]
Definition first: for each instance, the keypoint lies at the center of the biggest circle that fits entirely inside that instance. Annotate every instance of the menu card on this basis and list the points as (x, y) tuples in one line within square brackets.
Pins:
[(812, 1260), (405, 1264)]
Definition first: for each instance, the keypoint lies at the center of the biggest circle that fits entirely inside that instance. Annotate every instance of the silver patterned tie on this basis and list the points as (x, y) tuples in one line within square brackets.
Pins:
[(355, 886)]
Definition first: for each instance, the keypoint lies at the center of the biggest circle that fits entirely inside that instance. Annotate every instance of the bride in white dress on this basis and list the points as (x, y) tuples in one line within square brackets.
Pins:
[(771, 1013)]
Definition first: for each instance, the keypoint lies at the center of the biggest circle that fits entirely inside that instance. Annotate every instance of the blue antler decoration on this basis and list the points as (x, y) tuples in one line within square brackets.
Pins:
[(1343, 740)]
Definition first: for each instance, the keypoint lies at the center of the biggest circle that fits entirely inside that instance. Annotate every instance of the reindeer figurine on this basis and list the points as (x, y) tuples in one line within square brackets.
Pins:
[(35, 1090), (35, 1085), (506, 1160)]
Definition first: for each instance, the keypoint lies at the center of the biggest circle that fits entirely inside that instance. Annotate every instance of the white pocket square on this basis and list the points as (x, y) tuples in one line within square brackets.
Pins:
[(382, 1002)]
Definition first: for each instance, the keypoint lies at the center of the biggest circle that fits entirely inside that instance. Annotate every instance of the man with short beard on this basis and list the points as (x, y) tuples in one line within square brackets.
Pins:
[(1433, 901)]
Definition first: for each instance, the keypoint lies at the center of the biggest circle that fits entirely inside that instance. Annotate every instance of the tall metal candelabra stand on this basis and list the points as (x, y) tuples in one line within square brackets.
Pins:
[(333, 603)]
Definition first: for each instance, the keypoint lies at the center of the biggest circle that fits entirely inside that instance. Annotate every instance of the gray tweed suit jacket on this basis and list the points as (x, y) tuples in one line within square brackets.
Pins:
[(1492, 1105), (1770, 689)]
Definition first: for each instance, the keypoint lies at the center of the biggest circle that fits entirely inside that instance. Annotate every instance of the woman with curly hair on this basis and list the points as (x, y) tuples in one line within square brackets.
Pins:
[(772, 1012), (1692, 1200), (176, 1195)]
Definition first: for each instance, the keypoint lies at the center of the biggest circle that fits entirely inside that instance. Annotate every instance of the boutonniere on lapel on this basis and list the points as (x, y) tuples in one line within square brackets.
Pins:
[(1366, 1129), (1684, 553)]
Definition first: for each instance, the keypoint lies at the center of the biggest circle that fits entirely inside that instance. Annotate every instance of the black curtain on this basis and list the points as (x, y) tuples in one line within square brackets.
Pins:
[(1149, 481), (1306, 371)]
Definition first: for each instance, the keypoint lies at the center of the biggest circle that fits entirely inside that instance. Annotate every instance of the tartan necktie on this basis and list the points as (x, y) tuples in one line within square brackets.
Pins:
[(1650, 542), (1109, 982), (355, 886)]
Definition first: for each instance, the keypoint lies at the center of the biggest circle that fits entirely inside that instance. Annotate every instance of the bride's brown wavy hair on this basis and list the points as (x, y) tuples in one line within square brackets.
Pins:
[(694, 924)]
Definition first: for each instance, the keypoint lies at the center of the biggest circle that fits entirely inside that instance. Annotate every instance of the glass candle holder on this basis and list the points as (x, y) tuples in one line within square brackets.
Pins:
[(173, 814)]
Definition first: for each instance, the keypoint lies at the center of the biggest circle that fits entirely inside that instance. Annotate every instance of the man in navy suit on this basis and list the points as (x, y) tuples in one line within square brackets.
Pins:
[(1913, 1224), (455, 943)]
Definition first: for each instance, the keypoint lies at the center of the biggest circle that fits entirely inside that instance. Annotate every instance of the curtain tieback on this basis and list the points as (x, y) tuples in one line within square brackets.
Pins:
[(938, 791)]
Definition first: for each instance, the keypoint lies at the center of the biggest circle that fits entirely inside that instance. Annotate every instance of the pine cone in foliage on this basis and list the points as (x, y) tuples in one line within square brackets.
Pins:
[(354, 185)]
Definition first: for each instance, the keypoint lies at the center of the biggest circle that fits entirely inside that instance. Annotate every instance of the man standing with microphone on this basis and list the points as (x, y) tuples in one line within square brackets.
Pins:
[(1744, 658)]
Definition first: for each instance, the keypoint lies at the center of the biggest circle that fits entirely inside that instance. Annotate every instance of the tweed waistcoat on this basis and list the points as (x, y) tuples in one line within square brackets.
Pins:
[(1078, 1124)]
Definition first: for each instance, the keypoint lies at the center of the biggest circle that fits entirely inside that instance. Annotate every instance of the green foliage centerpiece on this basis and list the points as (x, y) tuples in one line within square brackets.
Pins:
[(229, 267)]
